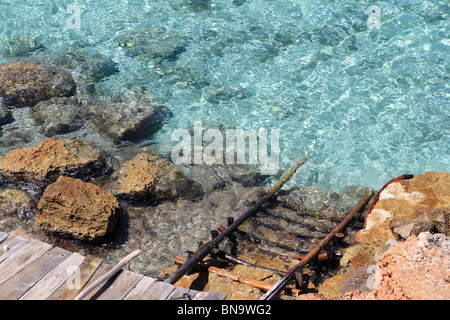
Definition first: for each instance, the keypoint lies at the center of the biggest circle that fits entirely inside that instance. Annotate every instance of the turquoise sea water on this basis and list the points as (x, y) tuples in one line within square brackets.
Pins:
[(365, 105)]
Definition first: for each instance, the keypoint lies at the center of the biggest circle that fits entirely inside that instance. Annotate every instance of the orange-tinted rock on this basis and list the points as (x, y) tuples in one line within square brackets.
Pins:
[(50, 159), (417, 269), (147, 177), (406, 208), (25, 83), (77, 209), (410, 200), (330, 287)]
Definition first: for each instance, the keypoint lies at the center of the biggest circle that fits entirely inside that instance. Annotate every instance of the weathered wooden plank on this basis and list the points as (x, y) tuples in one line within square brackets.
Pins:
[(103, 269), (11, 245), (182, 294), (3, 236), (51, 282), (73, 285), (215, 296), (157, 291), (21, 258), (22, 281), (123, 284), (139, 288)]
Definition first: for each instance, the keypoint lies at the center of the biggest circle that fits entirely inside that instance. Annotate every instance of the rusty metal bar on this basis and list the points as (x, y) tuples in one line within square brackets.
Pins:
[(278, 287), (206, 249)]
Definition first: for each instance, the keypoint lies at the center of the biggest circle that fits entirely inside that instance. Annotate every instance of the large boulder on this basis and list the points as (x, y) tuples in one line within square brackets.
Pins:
[(91, 66), (74, 208), (147, 177), (404, 208), (416, 269), (46, 161), (26, 83), (21, 45)]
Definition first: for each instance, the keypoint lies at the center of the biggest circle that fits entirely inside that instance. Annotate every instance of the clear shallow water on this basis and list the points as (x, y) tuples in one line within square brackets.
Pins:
[(365, 105)]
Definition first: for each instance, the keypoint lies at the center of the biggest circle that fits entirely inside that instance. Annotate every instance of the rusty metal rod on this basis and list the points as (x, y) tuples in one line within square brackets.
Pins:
[(377, 196), (206, 249), (278, 287)]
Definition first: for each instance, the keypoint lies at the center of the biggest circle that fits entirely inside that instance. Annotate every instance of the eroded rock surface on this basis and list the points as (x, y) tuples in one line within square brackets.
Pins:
[(49, 159), (74, 208), (147, 177), (26, 83)]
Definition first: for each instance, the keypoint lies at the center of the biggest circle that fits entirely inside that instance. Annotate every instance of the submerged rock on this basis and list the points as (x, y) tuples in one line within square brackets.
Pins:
[(215, 94), (91, 66), (74, 208), (147, 177), (59, 115), (21, 130), (16, 202), (125, 118), (121, 119), (5, 116), (49, 159), (25, 83), (218, 176), (21, 45), (151, 43)]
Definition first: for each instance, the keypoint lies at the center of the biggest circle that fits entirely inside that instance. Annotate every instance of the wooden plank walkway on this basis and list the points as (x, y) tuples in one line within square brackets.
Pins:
[(34, 270)]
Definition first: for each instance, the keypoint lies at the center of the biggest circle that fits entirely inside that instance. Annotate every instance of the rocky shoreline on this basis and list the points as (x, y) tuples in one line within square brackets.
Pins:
[(80, 181), (404, 247)]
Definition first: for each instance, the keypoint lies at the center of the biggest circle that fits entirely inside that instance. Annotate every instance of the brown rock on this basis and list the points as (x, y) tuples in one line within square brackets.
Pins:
[(148, 177), (406, 208), (421, 220), (357, 256), (416, 269), (330, 287), (310, 296), (25, 83), (78, 209), (234, 290), (50, 159)]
